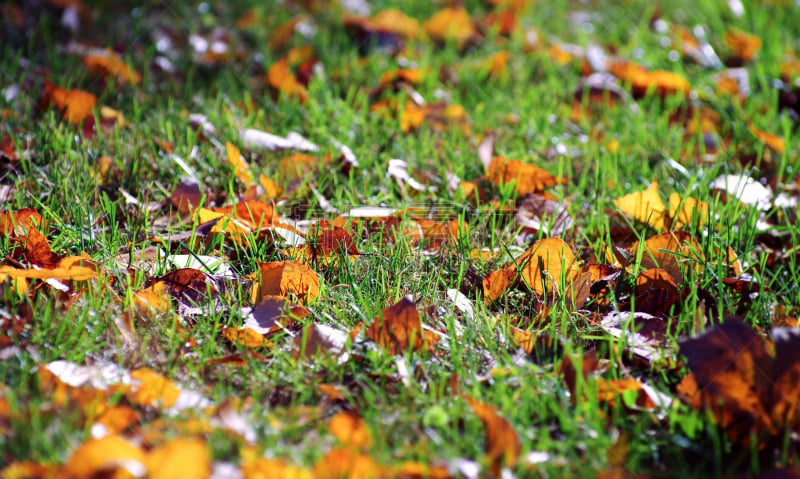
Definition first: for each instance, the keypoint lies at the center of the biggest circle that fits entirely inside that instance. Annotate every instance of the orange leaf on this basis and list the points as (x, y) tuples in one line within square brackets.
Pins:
[(262, 468), (77, 105), (351, 431), (298, 165), (152, 389), (271, 189), (548, 262), (527, 178), (101, 456), (110, 64), (281, 78), (38, 252), (773, 141), (283, 277), (342, 463), (502, 444), (246, 337), (395, 21), (117, 419), (75, 273), (183, 457), (240, 168), (641, 81), (497, 282), (644, 206), (399, 328), (451, 24), (744, 45)]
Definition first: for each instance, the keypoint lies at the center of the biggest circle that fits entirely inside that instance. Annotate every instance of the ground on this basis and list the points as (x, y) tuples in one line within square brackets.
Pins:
[(426, 239)]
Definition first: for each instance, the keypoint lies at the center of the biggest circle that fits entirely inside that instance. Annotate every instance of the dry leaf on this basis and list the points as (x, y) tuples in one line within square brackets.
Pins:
[(502, 443), (281, 278), (400, 329), (676, 252), (77, 105), (745, 46), (281, 78), (351, 431), (183, 457), (547, 264), (152, 389), (451, 24), (240, 168), (110, 64), (644, 206), (101, 457), (527, 178), (687, 212)]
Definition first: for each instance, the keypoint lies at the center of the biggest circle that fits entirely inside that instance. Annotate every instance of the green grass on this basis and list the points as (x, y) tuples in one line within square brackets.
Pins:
[(423, 420)]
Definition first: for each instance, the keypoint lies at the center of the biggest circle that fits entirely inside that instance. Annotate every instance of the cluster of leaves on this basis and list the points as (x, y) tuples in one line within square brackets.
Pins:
[(257, 253)]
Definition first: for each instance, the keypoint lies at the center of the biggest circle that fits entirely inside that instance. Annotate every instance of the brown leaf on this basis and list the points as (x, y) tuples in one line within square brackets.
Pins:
[(547, 264), (748, 390)]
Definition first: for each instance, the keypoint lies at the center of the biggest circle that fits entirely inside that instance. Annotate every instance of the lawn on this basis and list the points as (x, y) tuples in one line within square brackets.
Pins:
[(499, 238)]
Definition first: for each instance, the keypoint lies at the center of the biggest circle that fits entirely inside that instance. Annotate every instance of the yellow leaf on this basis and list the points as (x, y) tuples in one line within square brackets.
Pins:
[(153, 389), (453, 24), (283, 277), (240, 168), (644, 206), (683, 211), (75, 273), (103, 455), (183, 457)]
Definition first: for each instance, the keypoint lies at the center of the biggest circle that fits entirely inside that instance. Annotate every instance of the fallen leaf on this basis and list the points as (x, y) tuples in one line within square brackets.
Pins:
[(240, 168), (281, 78), (502, 443), (548, 264), (744, 45), (748, 390), (77, 105), (344, 463), (399, 328), (281, 278), (527, 178), (687, 211), (676, 252), (152, 389), (182, 457), (644, 206), (104, 456), (451, 24), (351, 430), (110, 64)]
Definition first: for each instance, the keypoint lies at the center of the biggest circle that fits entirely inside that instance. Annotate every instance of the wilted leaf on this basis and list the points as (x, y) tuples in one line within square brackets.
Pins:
[(502, 443), (641, 81), (547, 264), (152, 389), (400, 329), (245, 337), (744, 45), (281, 78), (281, 278), (451, 24), (262, 468), (183, 457), (103, 456), (676, 253), (344, 463), (240, 168), (351, 430), (77, 105), (644, 206), (688, 211), (747, 389), (527, 178), (110, 64)]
